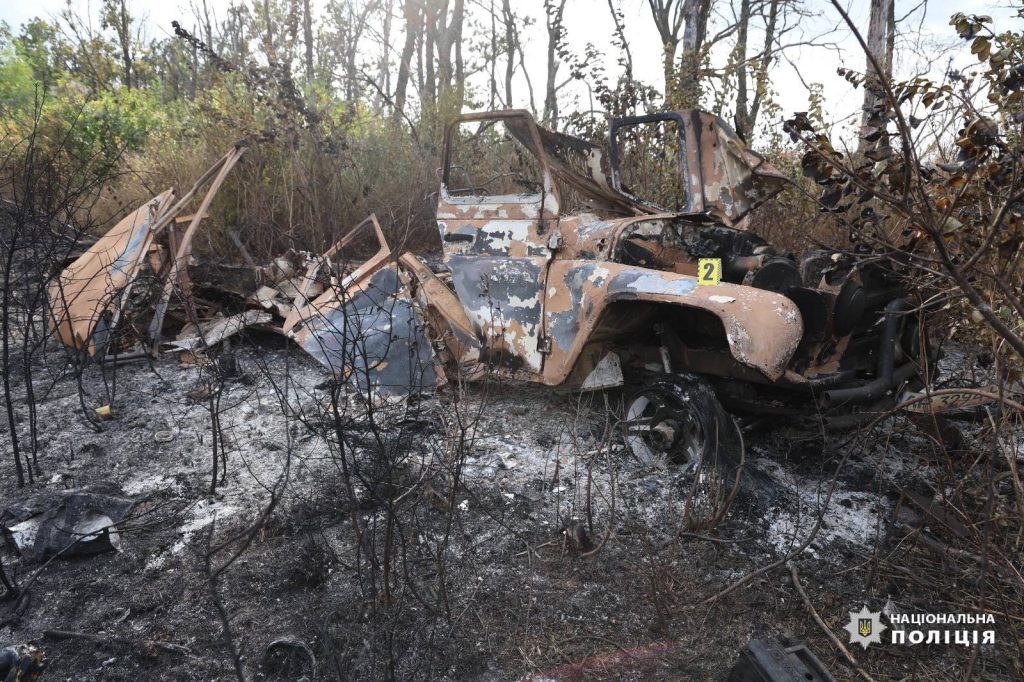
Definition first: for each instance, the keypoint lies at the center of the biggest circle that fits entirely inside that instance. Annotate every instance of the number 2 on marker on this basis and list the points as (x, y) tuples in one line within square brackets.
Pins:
[(709, 271)]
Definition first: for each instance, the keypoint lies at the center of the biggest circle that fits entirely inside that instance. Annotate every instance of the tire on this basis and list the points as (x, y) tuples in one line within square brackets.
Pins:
[(678, 421)]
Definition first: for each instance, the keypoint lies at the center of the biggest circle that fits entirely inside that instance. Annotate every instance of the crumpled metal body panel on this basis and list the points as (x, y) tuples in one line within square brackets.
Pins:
[(724, 179), (92, 284), (581, 165), (762, 328), (728, 180), (86, 298), (504, 299), (370, 334)]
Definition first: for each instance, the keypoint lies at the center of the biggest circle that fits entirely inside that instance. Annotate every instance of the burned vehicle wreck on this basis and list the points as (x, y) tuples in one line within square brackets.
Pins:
[(556, 269), (557, 272)]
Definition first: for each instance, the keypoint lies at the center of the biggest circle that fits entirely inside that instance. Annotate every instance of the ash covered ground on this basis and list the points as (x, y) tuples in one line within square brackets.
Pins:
[(558, 556)]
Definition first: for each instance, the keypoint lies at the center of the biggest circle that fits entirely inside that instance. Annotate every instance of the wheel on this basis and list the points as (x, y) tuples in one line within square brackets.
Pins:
[(678, 421)]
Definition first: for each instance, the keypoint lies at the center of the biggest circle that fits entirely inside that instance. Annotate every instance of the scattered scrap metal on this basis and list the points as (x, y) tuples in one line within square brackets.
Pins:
[(89, 297), (778, 659), (69, 524), (564, 277)]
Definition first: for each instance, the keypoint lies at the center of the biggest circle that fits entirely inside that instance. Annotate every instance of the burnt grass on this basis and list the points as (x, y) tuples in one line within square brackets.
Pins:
[(516, 598)]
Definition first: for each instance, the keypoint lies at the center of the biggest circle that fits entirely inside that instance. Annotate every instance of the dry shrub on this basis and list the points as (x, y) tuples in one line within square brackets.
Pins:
[(792, 221), (303, 194)]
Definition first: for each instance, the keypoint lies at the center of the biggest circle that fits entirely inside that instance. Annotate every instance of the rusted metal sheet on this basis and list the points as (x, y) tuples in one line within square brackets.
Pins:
[(214, 331), (305, 303), (581, 165), (87, 298), (498, 249), (762, 329), (448, 325), (181, 246), (366, 328), (95, 284), (725, 180), (370, 334)]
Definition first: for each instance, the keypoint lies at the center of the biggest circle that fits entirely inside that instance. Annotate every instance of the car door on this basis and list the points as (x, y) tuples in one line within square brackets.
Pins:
[(497, 234)]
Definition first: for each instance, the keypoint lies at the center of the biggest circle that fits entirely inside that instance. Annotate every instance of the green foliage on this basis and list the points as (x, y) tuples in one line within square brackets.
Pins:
[(113, 121), (98, 126), (18, 87)]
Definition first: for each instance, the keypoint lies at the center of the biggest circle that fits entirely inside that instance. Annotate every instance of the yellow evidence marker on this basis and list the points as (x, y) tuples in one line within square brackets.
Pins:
[(709, 271)]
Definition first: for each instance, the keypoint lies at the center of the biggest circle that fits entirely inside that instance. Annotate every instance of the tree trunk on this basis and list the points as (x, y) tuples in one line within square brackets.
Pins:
[(460, 64), (383, 70), (194, 73), (492, 61), (742, 120), (510, 45), (413, 27), (687, 92), (5, 329), (448, 36), (553, 18), (429, 33), (307, 38), (208, 26), (268, 38), (620, 35), (668, 18), (768, 56), (881, 30), (747, 109), (115, 15)]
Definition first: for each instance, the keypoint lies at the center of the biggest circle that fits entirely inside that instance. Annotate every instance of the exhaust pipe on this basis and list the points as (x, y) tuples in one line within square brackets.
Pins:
[(887, 376)]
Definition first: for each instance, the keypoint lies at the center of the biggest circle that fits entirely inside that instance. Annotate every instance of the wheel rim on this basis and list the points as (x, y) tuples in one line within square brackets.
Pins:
[(661, 427)]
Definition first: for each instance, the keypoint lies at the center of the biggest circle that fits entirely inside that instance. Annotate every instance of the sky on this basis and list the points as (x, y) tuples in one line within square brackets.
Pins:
[(827, 43)]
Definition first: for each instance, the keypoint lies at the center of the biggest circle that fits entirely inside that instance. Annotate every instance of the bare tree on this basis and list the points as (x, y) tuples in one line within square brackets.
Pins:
[(384, 66), (47, 196), (685, 22), (413, 29), (491, 59), (621, 42), (747, 107), (447, 31), (117, 17), (350, 20), (687, 93), (510, 42), (881, 34), (307, 38), (553, 17)]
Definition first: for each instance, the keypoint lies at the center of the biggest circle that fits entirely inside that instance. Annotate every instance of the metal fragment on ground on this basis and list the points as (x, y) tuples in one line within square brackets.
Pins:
[(215, 331), (66, 525)]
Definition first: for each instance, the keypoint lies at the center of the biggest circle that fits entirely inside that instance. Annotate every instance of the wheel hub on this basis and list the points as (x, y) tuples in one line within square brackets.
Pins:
[(664, 434), (661, 425)]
